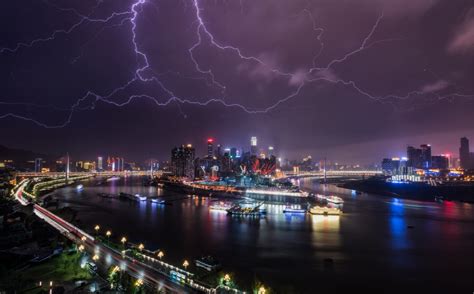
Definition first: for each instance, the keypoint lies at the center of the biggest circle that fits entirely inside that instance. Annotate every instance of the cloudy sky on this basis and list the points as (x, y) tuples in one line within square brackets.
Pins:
[(350, 80)]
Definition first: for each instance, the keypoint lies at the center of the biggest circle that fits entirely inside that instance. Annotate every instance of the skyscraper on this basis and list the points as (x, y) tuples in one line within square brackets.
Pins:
[(38, 165), (425, 155), (100, 163), (182, 161), (210, 147), (464, 155), (414, 157), (270, 151), (253, 146)]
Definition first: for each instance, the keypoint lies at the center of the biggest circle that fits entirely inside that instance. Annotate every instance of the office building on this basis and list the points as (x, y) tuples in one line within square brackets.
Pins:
[(253, 146), (464, 154), (182, 161)]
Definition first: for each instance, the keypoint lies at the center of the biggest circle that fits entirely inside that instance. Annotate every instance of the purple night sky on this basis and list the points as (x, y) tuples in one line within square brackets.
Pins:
[(351, 80)]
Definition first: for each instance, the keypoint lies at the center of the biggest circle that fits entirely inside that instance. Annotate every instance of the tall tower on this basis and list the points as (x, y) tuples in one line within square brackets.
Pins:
[(253, 146), (210, 147), (67, 167), (464, 155)]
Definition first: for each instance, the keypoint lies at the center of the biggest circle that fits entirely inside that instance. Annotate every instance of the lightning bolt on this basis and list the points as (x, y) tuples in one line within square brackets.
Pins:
[(143, 73)]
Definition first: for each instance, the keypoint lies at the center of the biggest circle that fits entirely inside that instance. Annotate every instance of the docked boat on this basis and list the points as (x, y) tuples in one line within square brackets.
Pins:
[(290, 209), (247, 211), (220, 207), (335, 200), (325, 210)]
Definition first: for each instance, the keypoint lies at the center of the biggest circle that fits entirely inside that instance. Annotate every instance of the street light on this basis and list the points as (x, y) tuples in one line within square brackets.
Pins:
[(141, 246), (185, 264), (226, 278), (95, 257), (261, 290), (108, 233), (97, 228), (81, 248), (160, 255), (83, 238)]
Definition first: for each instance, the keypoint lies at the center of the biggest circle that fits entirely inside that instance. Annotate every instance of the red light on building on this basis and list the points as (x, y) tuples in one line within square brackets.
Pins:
[(210, 140)]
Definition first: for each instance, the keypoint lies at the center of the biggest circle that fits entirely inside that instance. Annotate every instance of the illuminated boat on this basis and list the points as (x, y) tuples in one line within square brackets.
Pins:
[(325, 210), (158, 201), (140, 197), (220, 207), (113, 179), (293, 209), (79, 187), (335, 200)]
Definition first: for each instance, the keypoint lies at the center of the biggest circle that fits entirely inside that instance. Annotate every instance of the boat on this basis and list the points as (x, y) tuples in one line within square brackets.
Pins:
[(247, 211), (115, 178), (140, 197), (294, 210), (220, 207), (325, 210), (158, 201), (79, 187), (335, 200)]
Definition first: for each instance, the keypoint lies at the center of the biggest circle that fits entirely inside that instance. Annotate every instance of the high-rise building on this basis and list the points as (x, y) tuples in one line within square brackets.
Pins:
[(210, 147), (182, 161), (38, 165), (464, 155), (253, 146), (100, 163), (440, 162), (425, 156), (414, 157), (219, 151), (270, 151), (233, 152)]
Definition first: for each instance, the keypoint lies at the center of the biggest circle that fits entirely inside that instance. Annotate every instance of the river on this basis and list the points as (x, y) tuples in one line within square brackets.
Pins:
[(379, 243)]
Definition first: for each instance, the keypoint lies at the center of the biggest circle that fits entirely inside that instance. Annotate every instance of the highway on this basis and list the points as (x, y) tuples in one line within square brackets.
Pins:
[(109, 256)]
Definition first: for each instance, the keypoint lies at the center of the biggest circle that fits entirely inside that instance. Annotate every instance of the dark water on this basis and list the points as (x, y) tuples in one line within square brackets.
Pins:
[(371, 245)]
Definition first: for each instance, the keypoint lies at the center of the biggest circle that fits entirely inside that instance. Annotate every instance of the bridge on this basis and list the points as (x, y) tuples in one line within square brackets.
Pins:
[(102, 174), (155, 273), (334, 174)]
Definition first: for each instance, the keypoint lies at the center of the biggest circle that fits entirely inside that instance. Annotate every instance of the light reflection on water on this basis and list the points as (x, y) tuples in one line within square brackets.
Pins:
[(371, 234)]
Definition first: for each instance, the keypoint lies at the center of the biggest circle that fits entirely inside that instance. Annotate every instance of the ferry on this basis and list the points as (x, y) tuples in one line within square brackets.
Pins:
[(220, 207), (325, 210), (247, 211), (290, 209), (335, 200), (158, 201)]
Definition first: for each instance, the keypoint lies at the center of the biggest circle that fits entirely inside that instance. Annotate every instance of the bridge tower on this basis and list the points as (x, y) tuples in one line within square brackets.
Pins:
[(67, 167), (325, 170)]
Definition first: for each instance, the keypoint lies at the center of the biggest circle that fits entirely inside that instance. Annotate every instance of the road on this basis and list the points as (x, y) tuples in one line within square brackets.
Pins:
[(107, 256)]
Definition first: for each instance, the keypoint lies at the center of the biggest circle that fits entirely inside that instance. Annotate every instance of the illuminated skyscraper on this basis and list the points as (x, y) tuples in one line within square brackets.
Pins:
[(426, 155), (270, 151), (253, 146), (182, 161), (210, 147), (38, 165), (100, 163)]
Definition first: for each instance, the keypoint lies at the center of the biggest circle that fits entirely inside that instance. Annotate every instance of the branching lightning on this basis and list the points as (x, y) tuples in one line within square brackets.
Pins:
[(144, 73)]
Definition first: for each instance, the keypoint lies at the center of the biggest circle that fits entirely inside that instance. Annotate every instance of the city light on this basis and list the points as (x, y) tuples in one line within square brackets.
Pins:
[(160, 254), (108, 233), (185, 264)]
